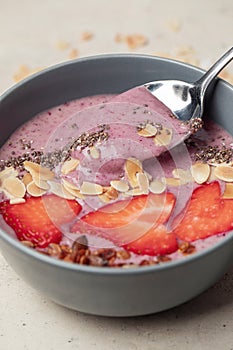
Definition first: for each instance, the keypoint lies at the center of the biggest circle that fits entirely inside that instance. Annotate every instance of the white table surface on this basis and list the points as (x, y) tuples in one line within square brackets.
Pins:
[(35, 34)]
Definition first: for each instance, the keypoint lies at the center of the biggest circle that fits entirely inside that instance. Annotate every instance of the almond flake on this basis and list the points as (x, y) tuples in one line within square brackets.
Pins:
[(10, 171), (90, 188), (72, 189), (27, 178), (40, 183), (58, 189), (228, 193), (134, 192), (69, 165), (14, 186), (185, 176), (119, 185), (34, 190), (36, 169), (132, 167), (212, 176), (200, 172), (94, 152), (157, 186), (148, 131), (164, 137), (224, 172), (17, 200), (109, 194), (172, 181), (143, 182)]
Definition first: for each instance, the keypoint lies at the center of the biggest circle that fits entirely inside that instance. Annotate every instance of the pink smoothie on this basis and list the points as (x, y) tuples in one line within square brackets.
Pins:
[(118, 118)]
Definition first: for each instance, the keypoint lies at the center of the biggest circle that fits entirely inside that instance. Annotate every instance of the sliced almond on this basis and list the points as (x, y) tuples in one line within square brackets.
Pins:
[(200, 172), (132, 167), (185, 176), (34, 190), (36, 169), (143, 182), (72, 189), (228, 193), (224, 172), (69, 165), (119, 185), (40, 183), (212, 176), (133, 192), (94, 152), (17, 200), (172, 181), (91, 189), (27, 178), (58, 189), (149, 176), (9, 171), (163, 137), (14, 186), (157, 186), (148, 131), (109, 194)]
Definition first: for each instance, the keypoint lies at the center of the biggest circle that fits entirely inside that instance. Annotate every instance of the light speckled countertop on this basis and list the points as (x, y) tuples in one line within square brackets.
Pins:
[(34, 35)]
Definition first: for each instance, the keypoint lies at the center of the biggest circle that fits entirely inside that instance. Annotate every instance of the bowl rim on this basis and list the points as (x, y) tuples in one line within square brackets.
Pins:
[(135, 270)]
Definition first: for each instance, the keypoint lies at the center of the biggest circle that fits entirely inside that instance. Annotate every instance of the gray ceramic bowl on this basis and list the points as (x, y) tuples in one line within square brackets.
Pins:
[(105, 291)]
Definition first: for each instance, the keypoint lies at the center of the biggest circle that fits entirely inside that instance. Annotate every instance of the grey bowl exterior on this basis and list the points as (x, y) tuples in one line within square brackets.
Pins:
[(104, 291)]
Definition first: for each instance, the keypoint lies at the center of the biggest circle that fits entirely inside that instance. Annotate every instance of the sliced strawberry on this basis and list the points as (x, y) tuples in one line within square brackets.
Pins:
[(39, 220), (205, 215), (135, 225)]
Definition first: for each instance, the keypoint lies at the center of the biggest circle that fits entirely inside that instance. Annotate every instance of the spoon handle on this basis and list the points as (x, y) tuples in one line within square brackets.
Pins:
[(208, 77)]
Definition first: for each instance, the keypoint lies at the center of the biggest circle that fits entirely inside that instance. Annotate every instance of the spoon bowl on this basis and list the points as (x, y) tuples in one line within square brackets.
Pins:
[(186, 100)]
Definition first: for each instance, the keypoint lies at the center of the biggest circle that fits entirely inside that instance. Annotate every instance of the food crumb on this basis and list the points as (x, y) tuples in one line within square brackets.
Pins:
[(24, 71), (174, 25), (87, 36), (133, 41), (62, 45), (73, 54)]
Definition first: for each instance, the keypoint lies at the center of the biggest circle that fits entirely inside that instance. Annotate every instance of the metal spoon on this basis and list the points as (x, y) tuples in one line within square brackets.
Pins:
[(185, 99)]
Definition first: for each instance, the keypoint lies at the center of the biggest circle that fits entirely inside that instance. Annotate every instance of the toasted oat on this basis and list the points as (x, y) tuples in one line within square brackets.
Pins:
[(164, 137), (200, 172), (34, 190), (148, 131), (69, 166), (224, 172), (14, 186), (91, 189), (157, 186), (58, 189), (228, 192), (143, 182), (17, 200), (94, 152), (132, 167), (119, 185)]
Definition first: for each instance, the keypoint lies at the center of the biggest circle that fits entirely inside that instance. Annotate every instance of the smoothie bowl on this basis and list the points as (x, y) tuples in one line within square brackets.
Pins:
[(100, 210)]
